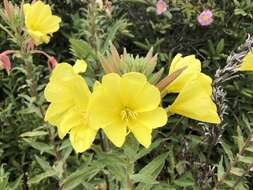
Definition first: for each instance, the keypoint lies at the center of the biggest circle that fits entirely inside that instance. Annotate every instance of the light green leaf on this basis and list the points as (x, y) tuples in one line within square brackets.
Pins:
[(245, 159), (237, 171), (240, 140), (185, 180), (76, 178), (33, 133), (36, 179), (147, 179), (220, 169), (42, 147)]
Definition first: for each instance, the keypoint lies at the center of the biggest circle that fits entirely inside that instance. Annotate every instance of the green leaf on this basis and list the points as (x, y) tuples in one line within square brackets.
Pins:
[(147, 179), (81, 49), (17, 183), (220, 47), (143, 152), (237, 171), (220, 169), (227, 149), (154, 165), (43, 164), (245, 159), (33, 134), (36, 179), (152, 169), (229, 183), (240, 140), (185, 180), (42, 147), (112, 32), (85, 173), (250, 148)]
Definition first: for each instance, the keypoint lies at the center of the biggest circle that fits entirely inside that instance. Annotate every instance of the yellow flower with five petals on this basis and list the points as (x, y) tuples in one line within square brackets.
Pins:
[(128, 103), (39, 21), (69, 98)]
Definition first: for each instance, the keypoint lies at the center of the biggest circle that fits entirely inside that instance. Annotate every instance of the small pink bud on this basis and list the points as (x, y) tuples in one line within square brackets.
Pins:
[(5, 62), (108, 8), (161, 7), (52, 62), (30, 44)]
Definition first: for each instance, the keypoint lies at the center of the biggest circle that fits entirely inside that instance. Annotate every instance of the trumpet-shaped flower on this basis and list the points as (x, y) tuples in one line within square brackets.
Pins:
[(39, 21), (194, 101), (247, 63), (193, 68), (69, 98), (128, 103)]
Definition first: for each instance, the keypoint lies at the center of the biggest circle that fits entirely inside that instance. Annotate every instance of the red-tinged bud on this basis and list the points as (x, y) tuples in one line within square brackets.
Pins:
[(30, 44), (52, 62), (5, 62), (9, 9)]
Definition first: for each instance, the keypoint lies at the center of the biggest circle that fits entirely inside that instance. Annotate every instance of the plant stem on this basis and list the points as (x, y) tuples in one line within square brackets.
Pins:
[(106, 148), (235, 161)]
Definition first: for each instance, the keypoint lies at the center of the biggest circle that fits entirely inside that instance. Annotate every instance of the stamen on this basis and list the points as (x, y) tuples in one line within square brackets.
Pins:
[(127, 114)]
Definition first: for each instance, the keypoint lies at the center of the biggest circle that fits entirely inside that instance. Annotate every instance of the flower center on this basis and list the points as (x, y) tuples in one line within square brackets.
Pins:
[(127, 114), (205, 18)]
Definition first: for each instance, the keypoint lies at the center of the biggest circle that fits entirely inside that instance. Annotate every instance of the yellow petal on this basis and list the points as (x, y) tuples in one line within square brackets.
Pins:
[(62, 72), (194, 101), (105, 102), (131, 84), (102, 109), (55, 112), (26, 8), (138, 94), (142, 133), (96, 85), (153, 119), (247, 63), (80, 66), (69, 121), (81, 137), (116, 132), (65, 85), (193, 69)]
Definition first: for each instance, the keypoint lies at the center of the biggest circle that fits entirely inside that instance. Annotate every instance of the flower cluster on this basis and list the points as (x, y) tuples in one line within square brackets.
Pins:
[(29, 26), (125, 102)]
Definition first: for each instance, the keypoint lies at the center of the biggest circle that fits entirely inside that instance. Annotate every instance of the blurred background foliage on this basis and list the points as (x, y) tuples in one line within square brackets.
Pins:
[(33, 157)]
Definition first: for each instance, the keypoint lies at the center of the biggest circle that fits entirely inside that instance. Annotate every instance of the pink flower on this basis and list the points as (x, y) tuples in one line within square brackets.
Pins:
[(161, 7), (5, 62), (205, 18)]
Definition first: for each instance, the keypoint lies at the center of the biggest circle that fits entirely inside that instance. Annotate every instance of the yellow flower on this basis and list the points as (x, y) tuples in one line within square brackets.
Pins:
[(194, 101), (247, 63), (193, 68), (39, 21), (127, 104), (69, 98)]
